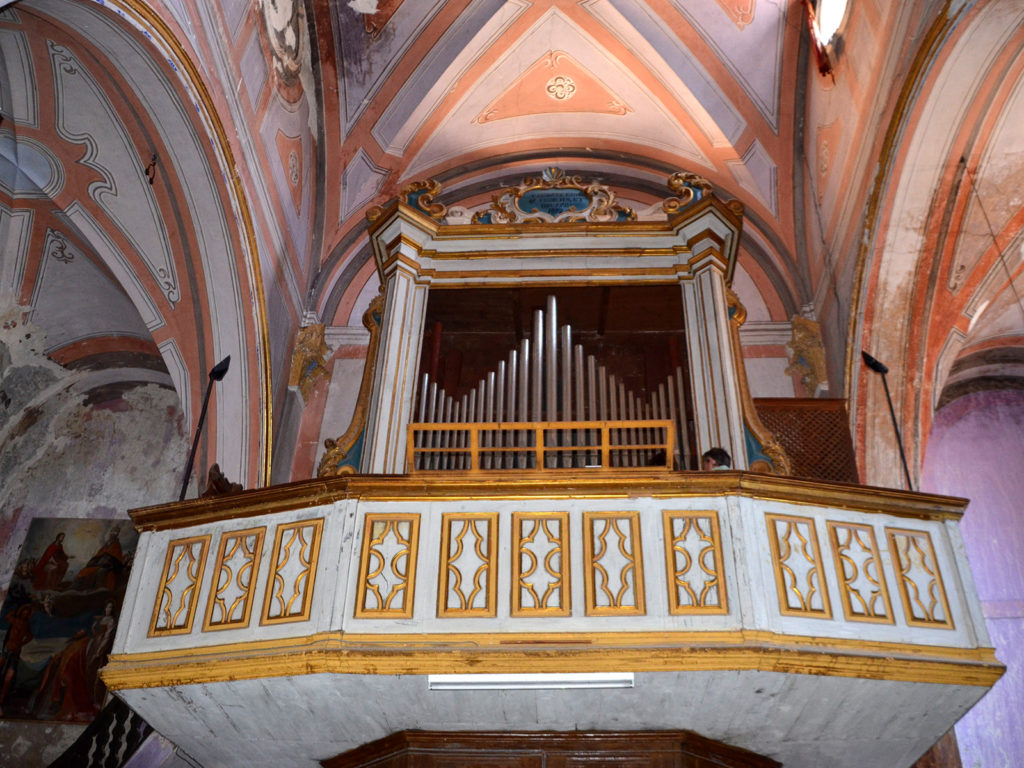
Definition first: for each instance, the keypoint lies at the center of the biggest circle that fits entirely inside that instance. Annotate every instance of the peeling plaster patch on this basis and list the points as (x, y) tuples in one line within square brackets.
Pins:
[(363, 6), (123, 452)]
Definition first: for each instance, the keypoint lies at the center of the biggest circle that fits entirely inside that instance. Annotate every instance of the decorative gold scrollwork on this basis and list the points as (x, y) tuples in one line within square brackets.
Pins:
[(693, 560), (387, 566), (421, 194), (799, 571), (309, 359), (919, 579), (332, 462), (771, 447), (469, 556), (178, 594), (687, 188), (580, 201), (540, 578), (613, 564), (862, 584), (289, 591), (234, 579)]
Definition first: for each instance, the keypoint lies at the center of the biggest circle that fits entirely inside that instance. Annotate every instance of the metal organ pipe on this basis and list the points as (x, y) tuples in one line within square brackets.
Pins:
[(549, 379)]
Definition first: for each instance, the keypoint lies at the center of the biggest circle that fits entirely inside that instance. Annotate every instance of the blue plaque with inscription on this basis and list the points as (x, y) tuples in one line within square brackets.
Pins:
[(554, 202)]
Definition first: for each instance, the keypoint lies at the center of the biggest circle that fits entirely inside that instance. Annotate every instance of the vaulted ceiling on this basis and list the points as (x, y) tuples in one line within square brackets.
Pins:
[(182, 181)]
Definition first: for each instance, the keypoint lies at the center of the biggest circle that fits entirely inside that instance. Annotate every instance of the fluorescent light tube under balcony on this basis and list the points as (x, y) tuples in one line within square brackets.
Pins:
[(530, 681)]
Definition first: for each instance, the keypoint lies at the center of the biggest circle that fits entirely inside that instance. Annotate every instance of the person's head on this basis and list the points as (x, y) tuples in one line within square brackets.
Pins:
[(715, 457)]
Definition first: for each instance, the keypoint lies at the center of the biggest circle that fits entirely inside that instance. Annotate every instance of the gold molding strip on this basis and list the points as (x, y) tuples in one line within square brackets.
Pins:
[(195, 86), (846, 539), (797, 596), (685, 568), (469, 541), (613, 564), (610, 484), (235, 548), (420, 654), (289, 592), (177, 596), (540, 558), (771, 447), (337, 449), (391, 567), (919, 579)]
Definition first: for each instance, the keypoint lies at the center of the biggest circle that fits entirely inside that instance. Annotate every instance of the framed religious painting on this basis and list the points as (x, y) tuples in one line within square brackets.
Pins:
[(60, 615)]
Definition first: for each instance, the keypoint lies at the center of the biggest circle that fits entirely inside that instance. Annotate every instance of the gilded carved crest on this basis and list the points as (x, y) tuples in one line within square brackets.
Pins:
[(687, 188), (554, 198)]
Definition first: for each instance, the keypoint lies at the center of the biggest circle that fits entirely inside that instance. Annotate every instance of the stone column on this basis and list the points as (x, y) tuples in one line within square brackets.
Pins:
[(718, 414)]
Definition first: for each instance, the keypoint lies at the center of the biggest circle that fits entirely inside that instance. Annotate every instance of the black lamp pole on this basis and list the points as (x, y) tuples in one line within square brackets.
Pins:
[(883, 369), (216, 374)]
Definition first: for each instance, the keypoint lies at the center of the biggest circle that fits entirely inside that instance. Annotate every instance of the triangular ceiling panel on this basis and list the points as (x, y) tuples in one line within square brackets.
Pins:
[(674, 65), (556, 83), (752, 52), (460, 47), (464, 131)]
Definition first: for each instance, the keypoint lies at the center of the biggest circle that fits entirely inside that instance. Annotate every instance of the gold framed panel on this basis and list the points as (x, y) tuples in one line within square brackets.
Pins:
[(480, 530), (782, 551), (597, 580), (397, 573), (559, 583), (302, 544), (180, 553), (713, 587), (231, 543), (864, 535), (918, 554)]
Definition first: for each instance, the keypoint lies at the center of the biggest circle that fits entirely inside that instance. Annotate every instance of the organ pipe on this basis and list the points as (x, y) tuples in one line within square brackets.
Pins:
[(548, 379)]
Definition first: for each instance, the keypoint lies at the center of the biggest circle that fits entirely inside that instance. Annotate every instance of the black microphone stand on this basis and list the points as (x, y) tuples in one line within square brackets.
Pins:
[(216, 374), (883, 369)]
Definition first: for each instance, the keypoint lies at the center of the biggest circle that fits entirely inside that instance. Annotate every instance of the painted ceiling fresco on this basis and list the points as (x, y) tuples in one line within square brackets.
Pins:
[(181, 181)]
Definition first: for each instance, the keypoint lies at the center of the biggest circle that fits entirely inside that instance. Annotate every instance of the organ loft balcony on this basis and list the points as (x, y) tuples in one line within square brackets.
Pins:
[(514, 538)]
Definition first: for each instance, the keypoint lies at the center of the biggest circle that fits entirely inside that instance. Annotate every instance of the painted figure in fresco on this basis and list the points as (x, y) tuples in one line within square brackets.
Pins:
[(105, 568), (19, 633), (715, 459), (21, 591), (102, 639), (66, 692), (51, 567)]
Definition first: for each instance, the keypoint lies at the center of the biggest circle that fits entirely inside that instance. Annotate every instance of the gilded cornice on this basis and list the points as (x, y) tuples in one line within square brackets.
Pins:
[(503, 485), (420, 654)]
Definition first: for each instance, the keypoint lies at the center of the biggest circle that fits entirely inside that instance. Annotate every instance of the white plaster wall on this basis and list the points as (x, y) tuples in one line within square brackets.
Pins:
[(767, 377)]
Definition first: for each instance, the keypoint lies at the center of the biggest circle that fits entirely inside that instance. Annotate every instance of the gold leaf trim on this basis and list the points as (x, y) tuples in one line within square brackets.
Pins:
[(337, 449)]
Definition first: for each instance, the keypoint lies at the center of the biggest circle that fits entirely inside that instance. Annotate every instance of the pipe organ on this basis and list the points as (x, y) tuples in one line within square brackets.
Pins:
[(548, 403), (549, 406)]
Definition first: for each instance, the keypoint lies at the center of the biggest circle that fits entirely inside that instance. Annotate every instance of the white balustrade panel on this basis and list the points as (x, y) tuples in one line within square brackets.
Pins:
[(489, 566)]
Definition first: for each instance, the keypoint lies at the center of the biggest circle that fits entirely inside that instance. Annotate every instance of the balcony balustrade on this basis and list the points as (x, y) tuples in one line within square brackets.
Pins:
[(814, 623)]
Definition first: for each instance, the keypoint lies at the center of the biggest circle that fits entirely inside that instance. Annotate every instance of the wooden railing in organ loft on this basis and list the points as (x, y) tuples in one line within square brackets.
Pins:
[(546, 407)]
